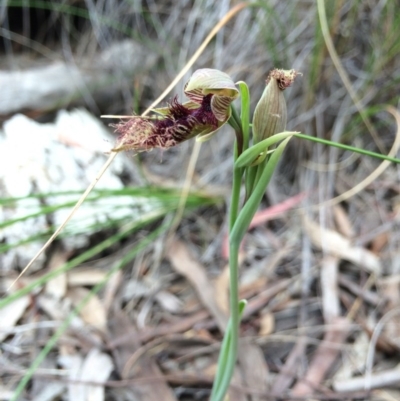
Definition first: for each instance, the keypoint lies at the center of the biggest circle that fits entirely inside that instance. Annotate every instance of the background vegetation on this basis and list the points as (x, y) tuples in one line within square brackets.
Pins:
[(87, 36)]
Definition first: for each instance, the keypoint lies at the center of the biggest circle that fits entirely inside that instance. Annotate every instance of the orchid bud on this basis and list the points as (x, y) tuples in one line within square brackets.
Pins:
[(270, 115), (210, 92)]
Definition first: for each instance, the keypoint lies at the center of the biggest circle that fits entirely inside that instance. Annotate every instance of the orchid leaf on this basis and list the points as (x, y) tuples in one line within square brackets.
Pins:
[(248, 157)]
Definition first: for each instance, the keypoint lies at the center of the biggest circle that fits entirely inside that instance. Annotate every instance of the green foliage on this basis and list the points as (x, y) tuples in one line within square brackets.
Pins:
[(158, 201)]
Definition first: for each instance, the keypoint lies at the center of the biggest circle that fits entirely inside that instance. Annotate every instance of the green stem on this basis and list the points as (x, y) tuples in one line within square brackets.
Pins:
[(224, 353), (233, 333), (235, 122), (222, 361), (227, 359), (238, 227), (235, 197)]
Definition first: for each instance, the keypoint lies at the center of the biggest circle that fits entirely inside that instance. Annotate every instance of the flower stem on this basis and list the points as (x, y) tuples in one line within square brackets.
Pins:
[(232, 333), (236, 124), (227, 359)]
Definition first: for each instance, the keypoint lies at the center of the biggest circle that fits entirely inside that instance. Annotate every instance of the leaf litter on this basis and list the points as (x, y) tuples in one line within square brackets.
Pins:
[(320, 286)]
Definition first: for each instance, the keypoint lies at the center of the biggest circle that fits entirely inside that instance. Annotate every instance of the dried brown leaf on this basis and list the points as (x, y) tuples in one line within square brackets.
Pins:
[(73, 363), (387, 378), (333, 243), (111, 288), (324, 357), (221, 285), (289, 371), (254, 368), (354, 359), (79, 278), (93, 313), (343, 223), (96, 367), (379, 242), (267, 324), (386, 395), (169, 301), (237, 382), (57, 286), (52, 307), (184, 264), (157, 389), (10, 314), (330, 289), (390, 287)]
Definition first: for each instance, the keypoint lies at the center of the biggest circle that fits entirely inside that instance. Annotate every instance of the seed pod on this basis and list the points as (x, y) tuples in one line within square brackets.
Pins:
[(270, 115)]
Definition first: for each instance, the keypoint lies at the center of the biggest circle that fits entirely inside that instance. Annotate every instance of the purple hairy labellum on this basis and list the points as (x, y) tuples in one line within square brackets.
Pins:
[(181, 123), (210, 92)]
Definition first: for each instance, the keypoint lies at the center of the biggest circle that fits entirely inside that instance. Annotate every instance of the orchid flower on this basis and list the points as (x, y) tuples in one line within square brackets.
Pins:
[(211, 93)]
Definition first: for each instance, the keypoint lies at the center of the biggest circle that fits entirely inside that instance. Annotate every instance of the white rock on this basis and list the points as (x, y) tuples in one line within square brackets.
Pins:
[(63, 156)]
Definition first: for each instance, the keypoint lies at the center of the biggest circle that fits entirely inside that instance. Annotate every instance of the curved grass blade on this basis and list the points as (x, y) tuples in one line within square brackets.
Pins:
[(347, 147)]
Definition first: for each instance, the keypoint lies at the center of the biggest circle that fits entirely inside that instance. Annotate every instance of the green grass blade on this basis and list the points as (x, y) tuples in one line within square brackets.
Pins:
[(162, 202), (347, 147)]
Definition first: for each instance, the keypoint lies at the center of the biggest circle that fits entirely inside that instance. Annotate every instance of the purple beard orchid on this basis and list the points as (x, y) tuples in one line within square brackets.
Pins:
[(210, 92)]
